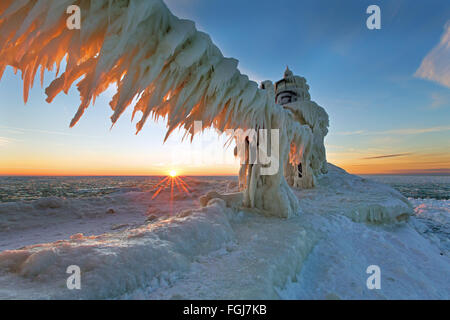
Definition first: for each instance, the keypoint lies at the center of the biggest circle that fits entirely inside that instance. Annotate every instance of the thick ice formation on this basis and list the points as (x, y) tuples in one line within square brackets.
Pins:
[(125, 260), (172, 71)]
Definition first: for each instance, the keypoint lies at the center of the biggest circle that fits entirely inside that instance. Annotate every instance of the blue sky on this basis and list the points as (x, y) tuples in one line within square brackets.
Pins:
[(363, 78)]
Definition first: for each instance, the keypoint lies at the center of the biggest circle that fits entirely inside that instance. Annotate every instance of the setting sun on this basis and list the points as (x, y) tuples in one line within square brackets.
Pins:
[(170, 182)]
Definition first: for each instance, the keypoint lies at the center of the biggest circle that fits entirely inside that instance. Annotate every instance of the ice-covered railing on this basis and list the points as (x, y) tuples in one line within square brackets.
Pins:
[(165, 64), (173, 69)]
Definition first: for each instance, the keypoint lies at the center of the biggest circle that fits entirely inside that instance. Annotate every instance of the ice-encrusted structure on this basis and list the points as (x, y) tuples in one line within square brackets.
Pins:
[(292, 92), (172, 71)]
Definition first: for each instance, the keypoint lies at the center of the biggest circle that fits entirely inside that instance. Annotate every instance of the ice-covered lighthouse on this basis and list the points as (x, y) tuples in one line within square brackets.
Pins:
[(292, 92), (302, 125), (291, 88)]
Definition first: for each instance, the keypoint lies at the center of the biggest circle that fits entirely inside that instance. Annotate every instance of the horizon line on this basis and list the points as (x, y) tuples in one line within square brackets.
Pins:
[(413, 173)]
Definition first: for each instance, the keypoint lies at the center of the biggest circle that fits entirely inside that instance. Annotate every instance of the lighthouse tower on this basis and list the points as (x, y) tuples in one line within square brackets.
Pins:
[(288, 91), (291, 88)]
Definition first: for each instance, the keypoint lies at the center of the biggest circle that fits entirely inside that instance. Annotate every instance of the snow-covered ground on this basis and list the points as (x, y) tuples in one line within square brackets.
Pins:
[(151, 249), (49, 219)]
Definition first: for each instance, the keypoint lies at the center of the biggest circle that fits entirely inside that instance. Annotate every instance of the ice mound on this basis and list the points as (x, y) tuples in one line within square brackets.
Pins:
[(433, 221), (432, 209), (411, 266), (265, 253), (50, 203), (113, 264), (360, 199)]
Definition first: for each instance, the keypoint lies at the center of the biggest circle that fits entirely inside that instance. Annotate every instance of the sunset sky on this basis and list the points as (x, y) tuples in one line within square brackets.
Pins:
[(387, 93)]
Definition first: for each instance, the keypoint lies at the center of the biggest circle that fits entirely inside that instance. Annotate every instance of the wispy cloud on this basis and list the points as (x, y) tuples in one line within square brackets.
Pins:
[(4, 141), (11, 131), (388, 156), (407, 131), (23, 130), (435, 66), (414, 130), (351, 133), (439, 100)]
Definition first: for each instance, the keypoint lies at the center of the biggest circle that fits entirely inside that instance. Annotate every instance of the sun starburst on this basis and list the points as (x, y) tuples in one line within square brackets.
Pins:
[(171, 181)]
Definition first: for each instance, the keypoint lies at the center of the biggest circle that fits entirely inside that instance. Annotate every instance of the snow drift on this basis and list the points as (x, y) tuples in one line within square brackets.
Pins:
[(113, 264)]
